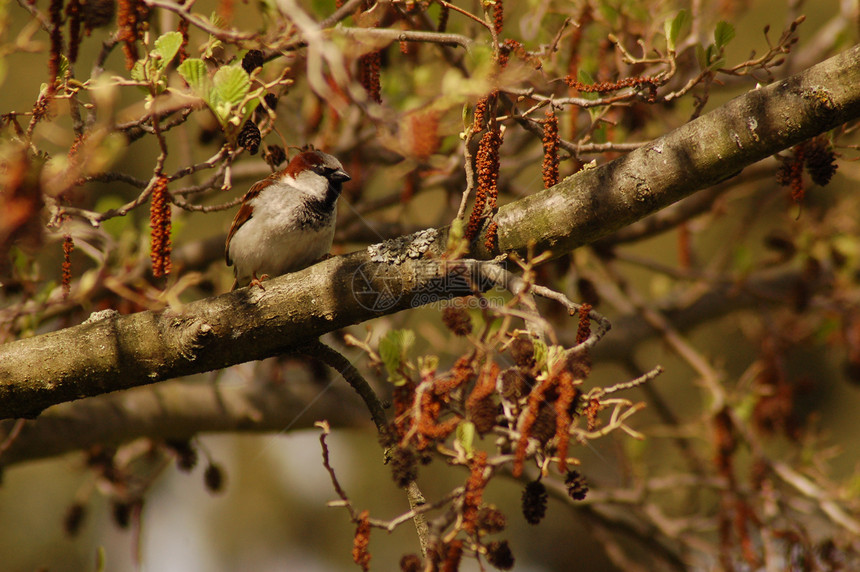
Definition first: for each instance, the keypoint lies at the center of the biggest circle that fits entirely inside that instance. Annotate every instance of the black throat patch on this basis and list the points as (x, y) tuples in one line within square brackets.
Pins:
[(315, 213)]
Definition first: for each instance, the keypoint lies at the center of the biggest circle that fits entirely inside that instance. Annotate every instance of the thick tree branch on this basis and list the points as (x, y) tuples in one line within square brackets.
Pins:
[(596, 202), (118, 352), (178, 410)]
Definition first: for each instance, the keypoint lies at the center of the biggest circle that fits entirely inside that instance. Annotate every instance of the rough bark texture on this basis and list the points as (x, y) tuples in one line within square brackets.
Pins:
[(118, 352), (596, 202)]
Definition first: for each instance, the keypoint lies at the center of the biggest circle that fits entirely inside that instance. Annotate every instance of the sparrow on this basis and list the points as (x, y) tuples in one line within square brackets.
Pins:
[(286, 221)]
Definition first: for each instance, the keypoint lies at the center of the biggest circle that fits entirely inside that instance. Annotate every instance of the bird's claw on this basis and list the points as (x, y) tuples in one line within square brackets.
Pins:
[(258, 281)]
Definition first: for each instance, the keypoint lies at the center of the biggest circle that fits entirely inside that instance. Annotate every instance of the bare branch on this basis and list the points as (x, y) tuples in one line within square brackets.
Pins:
[(123, 351), (392, 35), (199, 22)]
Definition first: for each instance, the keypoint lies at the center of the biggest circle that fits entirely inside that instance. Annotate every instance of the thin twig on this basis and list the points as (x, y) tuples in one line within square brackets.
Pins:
[(394, 35), (417, 503), (341, 13), (350, 373), (326, 431), (469, 168), (12, 435), (197, 21), (182, 203), (465, 13)]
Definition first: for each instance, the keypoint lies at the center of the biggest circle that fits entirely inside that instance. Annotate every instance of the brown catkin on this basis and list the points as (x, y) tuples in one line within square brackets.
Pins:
[(442, 26), (550, 150), (360, 553), (452, 558), (790, 173), (482, 110), (369, 66), (491, 242), (98, 14), (75, 16), (131, 21), (160, 225), (567, 394), (55, 12), (583, 330), (498, 16), (530, 421), (424, 134), (487, 168), (607, 86), (474, 493), (182, 28), (68, 247)]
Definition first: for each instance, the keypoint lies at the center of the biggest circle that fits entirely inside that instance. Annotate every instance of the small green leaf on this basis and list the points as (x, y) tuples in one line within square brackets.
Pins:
[(146, 70), (700, 56), (167, 46), (457, 230), (223, 111), (217, 20), (193, 71), (208, 49), (670, 37), (393, 348), (709, 58), (673, 27), (427, 365), (541, 352), (249, 108), (231, 84), (63, 67), (465, 437), (457, 243), (723, 34), (137, 72)]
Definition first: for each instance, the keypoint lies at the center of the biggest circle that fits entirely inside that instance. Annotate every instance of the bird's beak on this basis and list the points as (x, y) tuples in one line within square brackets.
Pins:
[(339, 176)]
